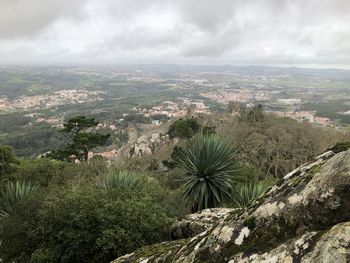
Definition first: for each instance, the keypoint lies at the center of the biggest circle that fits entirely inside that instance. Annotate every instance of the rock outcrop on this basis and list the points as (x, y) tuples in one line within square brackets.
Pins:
[(304, 218), (145, 145), (194, 224)]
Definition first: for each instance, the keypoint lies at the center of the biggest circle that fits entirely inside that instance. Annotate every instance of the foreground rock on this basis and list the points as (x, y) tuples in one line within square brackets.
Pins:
[(194, 224), (304, 218)]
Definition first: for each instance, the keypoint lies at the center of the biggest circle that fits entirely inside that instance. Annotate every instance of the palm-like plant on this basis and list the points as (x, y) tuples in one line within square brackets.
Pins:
[(12, 194), (244, 194), (123, 179), (209, 171)]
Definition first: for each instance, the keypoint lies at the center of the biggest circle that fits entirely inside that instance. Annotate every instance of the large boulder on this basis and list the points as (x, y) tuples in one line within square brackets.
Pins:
[(194, 224), (147, 145), (304, 218)]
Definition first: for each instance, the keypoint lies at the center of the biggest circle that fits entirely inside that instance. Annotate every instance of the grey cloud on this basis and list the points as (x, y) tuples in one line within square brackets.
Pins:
[(228, 31), (144, 37), (208, 15), (22, 18)]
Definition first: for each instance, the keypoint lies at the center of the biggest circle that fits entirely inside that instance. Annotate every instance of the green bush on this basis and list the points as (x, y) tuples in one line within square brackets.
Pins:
[(184, 128), (13, 193), (137, 118), (40, 171), (243, 194), (123, 179), (8, 160), (20, 232), (83, 224)]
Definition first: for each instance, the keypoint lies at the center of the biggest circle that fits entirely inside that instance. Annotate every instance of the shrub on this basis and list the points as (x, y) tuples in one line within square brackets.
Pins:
[(184, 128), (19, 232), (83, 224), (136, 118), (12, 194), (40, 171), (90, 225), (243, 194), (8, 159), (209, 171), (123, 179)]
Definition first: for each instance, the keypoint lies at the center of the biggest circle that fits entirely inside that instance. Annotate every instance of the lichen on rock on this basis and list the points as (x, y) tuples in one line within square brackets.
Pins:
[(196, 223), (303, 218)]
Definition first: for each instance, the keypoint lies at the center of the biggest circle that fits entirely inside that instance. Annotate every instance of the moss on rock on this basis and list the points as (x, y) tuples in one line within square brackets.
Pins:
[(289, 222)]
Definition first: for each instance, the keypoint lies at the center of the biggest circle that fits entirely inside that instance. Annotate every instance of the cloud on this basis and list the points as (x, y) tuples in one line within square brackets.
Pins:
[(23, 18), (190, 31)]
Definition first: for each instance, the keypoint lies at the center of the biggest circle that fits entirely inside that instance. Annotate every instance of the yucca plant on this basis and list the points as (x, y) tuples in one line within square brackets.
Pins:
[(12, 194), (209, 171), (244, 194), (123, 179)]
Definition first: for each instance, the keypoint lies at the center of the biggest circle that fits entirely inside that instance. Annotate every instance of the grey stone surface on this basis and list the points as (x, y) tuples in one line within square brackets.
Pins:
[(304, 218)]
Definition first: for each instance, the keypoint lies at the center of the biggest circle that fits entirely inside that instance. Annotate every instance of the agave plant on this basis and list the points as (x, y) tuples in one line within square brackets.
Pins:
[(12, 194), (209, 171), (244, 194), (123, 179)]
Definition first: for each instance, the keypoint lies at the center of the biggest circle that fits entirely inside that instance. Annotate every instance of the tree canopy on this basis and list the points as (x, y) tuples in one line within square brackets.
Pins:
[(82, 139), (184, 128)]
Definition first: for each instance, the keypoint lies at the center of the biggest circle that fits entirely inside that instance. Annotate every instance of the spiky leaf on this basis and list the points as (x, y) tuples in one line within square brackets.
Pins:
[(209, 170), (123, 179), (244, 194), (12, 194)]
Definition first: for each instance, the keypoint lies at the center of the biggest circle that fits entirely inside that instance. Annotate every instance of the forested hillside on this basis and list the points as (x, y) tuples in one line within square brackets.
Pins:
[(66, 207)]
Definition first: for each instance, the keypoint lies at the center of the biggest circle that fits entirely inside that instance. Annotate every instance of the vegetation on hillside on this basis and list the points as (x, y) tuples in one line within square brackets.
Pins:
[(95, 211), (80, 212), (272, 144)]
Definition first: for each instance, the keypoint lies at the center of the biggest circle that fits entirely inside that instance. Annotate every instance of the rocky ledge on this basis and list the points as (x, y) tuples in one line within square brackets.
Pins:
[(194, 224), (303, 218)]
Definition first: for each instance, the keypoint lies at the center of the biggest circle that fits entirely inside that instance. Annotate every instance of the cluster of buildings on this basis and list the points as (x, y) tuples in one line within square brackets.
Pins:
[(249, 98), (243, 96), (62, 97), (307, 116), (56, 122), (175, 109)]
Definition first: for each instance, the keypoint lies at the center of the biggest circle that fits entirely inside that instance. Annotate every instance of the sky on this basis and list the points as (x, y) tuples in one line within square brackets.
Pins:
[(239, 32)]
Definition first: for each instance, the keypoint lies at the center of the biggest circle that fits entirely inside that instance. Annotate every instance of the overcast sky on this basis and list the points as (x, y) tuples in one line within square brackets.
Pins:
[(271, 32)]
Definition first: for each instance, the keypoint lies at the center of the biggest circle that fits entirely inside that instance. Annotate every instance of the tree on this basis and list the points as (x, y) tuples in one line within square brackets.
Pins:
[(184, 128), (7, 159), (83, 140), (209, 171), (78, 123)]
